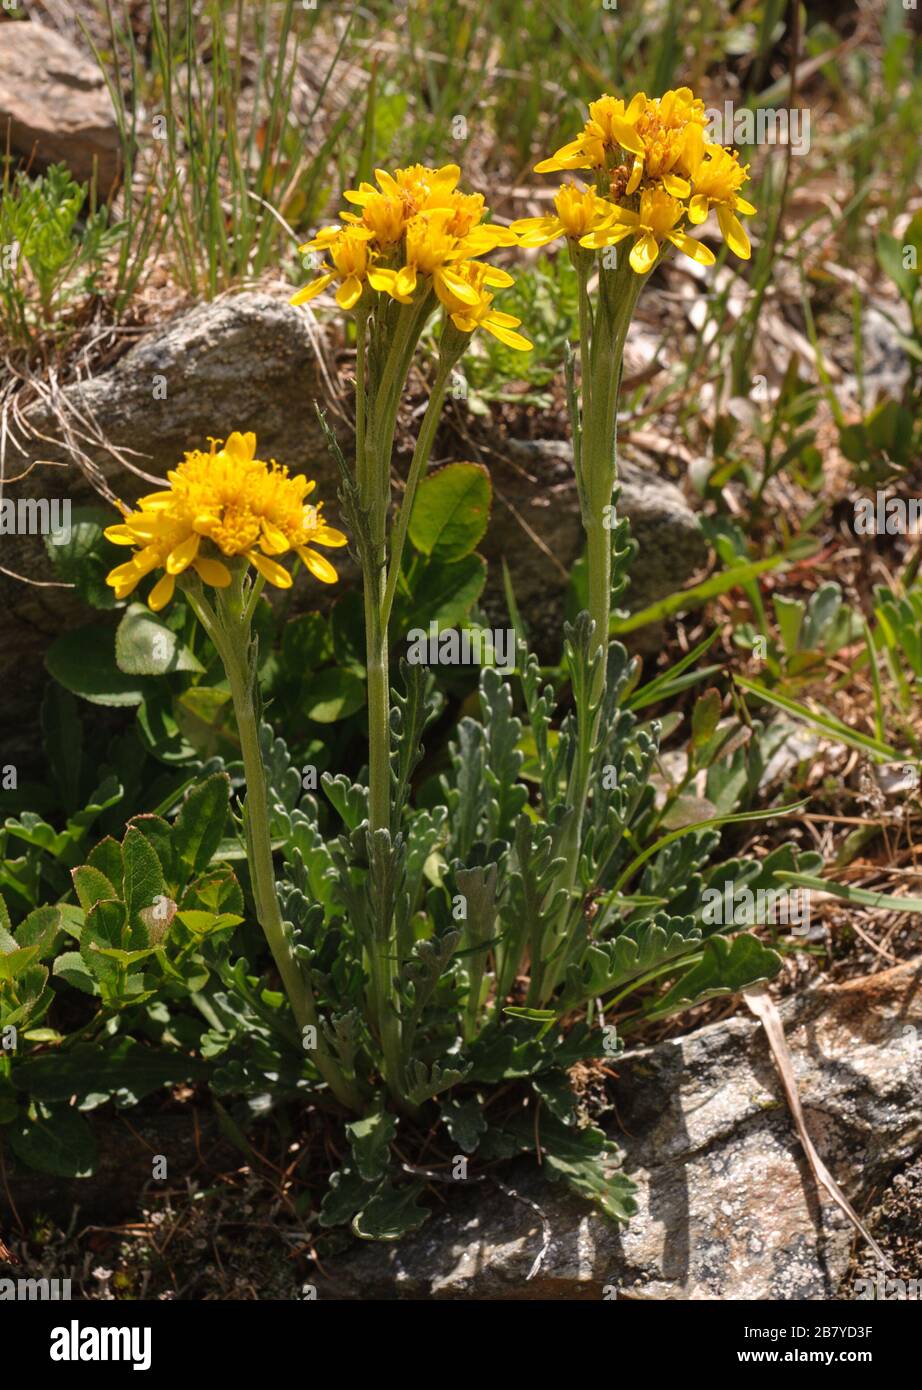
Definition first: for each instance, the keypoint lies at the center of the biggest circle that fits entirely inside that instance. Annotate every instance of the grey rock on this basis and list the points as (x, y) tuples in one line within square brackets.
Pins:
[(538, 495), (57, 104), (728, 1206)]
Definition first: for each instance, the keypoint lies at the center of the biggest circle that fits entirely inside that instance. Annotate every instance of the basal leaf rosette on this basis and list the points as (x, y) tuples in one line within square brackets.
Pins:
[(414, 235), (654, 172), (226, 504)]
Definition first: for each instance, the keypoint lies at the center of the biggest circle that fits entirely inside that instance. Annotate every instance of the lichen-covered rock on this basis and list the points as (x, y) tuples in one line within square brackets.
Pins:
[(728, 1206), (57, 105)]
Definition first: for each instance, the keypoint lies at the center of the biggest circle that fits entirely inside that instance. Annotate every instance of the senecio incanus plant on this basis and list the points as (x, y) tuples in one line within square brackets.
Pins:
[(429, 949)]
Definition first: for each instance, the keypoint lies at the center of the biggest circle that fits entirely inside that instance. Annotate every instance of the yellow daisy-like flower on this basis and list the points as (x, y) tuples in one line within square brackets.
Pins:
[(655, 223), (716, 180), (611, 126), (415, 224), (579, 211), (347, 248), (225, 502), (654, 167), (467, 317)]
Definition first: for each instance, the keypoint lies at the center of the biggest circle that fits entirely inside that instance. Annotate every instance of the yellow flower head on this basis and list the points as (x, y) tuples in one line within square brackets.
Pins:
[(716, 181), (655, 223), (413, 226), (225, 502), (467, 316), (579, 210), (651, 146), (348, 249)]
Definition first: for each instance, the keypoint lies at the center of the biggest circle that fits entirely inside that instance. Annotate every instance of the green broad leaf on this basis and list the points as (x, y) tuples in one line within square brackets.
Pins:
[(391, 1214), (451, 511), (105, 929), (71, 968), (465, 1121), (307, 644), (54, 1139), (146, 646), (425, 1083), (92, 886), (40, 929), (62, 733), (86, 557), (17, 962), (24, 993), (705, 717), (370, 1139), (143, 876), (556, 1095), (83, 661), (200, 823), (204, 923), (333, 694), (122, 1070), (445, 593), (216, 892), (159, 835), (789, 613), (106, 857), (724, 967)]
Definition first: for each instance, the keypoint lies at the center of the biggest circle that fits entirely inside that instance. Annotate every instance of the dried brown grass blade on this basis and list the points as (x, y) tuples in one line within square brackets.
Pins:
[(762, 1005)]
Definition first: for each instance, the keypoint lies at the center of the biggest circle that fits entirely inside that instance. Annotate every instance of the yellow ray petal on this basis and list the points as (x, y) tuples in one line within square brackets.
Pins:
[(458, 287), (182, 555), (270, 571), (677, 187), (212, 572), (318, 565), (161, 593), (644, 253), (733, 233), (695, 250), (349, 292), (328, 535), (313, 289), (274, 541), (506, 335)]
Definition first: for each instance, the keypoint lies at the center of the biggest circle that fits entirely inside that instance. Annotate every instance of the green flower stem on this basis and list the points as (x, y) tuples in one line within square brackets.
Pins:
[(602, 338), (418, 465), (361, 340), (230, 630), (377, 662)]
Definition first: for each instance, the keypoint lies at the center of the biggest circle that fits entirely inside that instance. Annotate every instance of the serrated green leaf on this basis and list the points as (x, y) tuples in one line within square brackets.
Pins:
[(200, 823)]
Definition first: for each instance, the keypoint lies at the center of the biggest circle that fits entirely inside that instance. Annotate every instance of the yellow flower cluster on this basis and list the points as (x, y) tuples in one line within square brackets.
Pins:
[(224, 502), (413, 232), (654, 170)]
